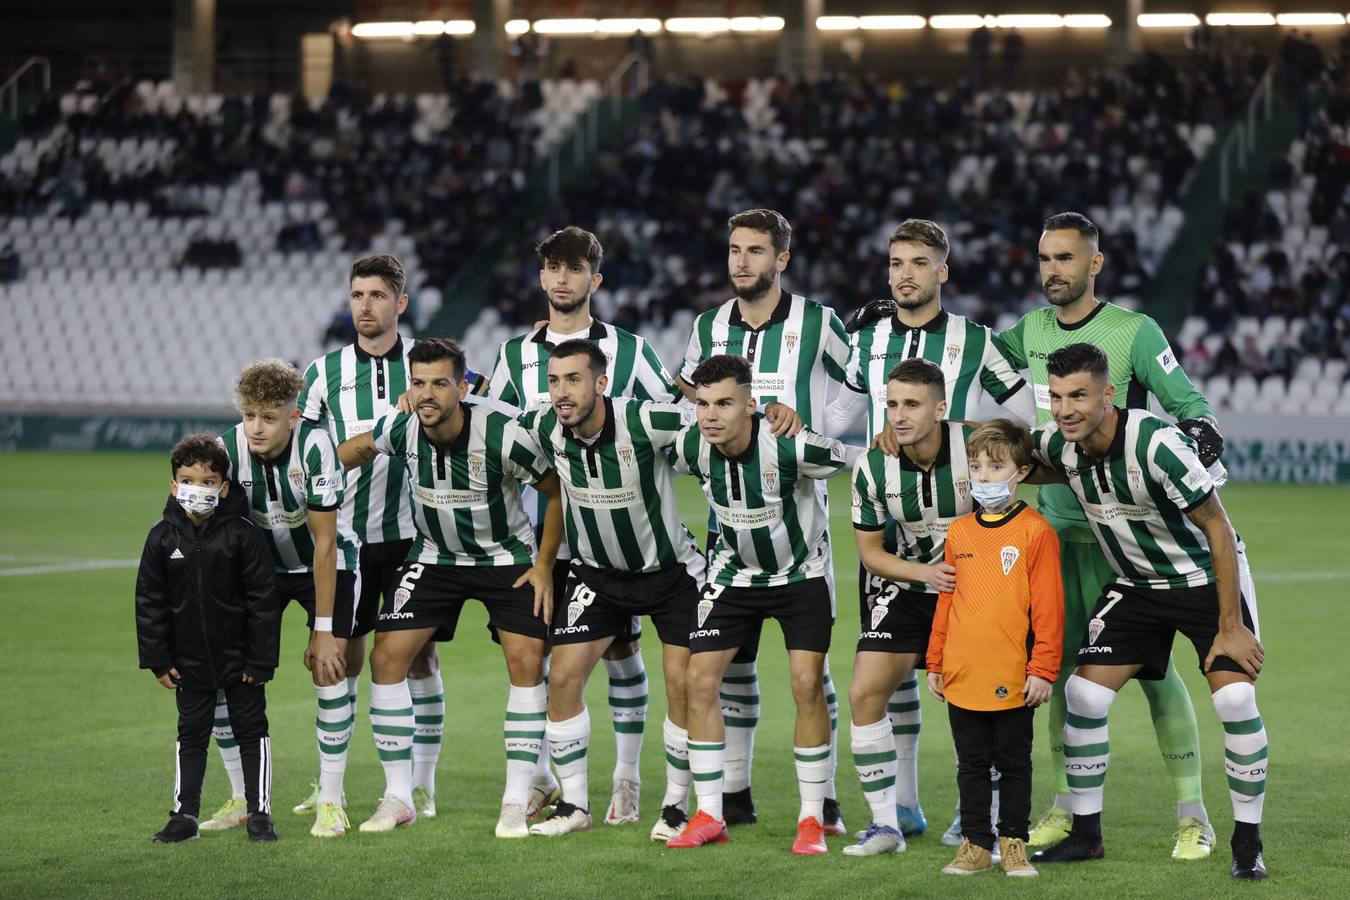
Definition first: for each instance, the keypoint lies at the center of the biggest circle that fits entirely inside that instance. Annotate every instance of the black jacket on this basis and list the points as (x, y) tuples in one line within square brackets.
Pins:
[(206, 599)]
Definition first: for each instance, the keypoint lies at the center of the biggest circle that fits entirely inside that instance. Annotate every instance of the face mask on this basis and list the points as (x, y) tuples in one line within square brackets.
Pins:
[(991, 494), (199, 501)]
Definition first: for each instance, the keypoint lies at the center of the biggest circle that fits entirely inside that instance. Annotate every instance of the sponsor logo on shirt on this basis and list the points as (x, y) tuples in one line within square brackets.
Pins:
[(324, 482), (1042, 392), (278, 518), (602, 498), (1001, 692), (894, 354), (1110, 513), (936, 529), (448, 499), (768, 384), (1167, 360), (748, 518)]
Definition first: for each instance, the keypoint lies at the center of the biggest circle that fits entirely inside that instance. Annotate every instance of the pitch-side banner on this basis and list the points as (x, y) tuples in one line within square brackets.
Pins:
[(31, 431)]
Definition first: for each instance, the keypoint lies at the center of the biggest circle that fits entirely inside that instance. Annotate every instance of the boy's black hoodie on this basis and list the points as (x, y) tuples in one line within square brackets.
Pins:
[(206, 597)]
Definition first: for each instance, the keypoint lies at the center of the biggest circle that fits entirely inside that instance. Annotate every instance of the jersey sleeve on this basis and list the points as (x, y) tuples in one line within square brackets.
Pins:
[(869, 508), (1174, 465), (1047, 604), (855, 371), (1157, 368), (1042, 450), (937, 638), (819, 456), (998, 376), (389, 433), (312, 403), (1012, 345), (500, 386), (662, 422), (650, 379), (323, 473), (683, 454), (521, 456), (834, 354), (693, 352), (479, 384)]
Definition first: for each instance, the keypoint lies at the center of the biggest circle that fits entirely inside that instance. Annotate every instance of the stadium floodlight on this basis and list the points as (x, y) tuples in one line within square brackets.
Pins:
[(1034, 20), (1309, 20), (757, 23), (1087, 21), (1168, 20), (382, 30), (428, 27), (891, 23), (950, 22), (565, 26), (517, 26), (698, 25), (459, 26), (1240, 19), (629, 26), (836, 23)]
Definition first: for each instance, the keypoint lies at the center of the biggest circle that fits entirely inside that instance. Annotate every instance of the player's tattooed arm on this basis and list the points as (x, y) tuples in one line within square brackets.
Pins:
[(356, 452), (540, 575), (1234, 639)]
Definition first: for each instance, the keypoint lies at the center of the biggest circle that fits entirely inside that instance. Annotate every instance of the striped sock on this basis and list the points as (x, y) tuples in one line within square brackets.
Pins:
[(1086, 748), (391, 724), (906, 719), (813, 771), (628, 710), (740, 715), (874, 756), (832, 705), (428, 699), (678, 775), (526, 712), (568, 742), (542, 774), (334, 724), (705, 762), (352, 684), (1245, 750), (228, 747)]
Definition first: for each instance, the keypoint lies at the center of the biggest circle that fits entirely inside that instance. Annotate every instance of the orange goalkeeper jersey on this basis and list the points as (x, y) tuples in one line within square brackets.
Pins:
[(1006, 618)]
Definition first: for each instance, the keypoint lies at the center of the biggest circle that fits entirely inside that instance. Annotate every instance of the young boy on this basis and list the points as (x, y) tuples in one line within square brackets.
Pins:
[(1008, 598), (207, 621)]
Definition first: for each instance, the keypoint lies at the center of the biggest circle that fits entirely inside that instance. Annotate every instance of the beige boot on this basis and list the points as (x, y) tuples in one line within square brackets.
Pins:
[(971, 859), (1014, 854)]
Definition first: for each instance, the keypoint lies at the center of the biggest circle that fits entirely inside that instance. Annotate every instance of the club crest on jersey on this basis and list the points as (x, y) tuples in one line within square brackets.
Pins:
[(626, 454), (1095, 627), (704, 608), (963, 487), (953, 351), (789, 340), (401, 597), (857, 499), (1136, 477), (878, 613), (1008, 557), (476, 466), (770, 476), (297, 478)]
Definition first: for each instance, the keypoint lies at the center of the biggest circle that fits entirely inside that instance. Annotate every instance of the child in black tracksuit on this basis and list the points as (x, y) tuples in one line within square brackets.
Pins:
[(207, 620)]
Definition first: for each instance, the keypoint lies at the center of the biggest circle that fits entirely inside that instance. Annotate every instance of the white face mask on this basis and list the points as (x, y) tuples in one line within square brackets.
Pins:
[(992, 495), (199, 501)]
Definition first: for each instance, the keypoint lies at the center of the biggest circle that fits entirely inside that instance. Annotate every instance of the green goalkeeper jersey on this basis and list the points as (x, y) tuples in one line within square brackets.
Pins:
[(1142, 363)]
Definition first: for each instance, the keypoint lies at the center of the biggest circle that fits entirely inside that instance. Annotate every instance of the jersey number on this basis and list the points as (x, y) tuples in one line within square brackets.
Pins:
[(409, 580)]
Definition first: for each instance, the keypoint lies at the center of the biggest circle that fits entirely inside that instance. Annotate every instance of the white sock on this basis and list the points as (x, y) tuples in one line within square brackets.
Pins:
[(352, 684), (334, 725), (813, 769), (832, 705), (874, 756), (526, 713), (678, 774), (994, 778), (906, 719), (628, 710), (740, 715), (428, 697), (1245, 750), (391, 724), (229, 749), (543, 775), (705, 762), (1087, 751), (568, 742)]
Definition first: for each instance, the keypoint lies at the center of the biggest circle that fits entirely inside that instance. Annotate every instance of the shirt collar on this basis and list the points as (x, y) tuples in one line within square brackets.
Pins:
[(606, 435), (779, 315), (943, 458), (932, 326), (1117, 448), (751, 448), (461, 442), (596, 333), (394, 352)]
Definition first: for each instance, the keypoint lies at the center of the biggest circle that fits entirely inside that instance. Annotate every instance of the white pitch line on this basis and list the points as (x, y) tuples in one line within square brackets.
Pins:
[(75, 565), (1301, 576)]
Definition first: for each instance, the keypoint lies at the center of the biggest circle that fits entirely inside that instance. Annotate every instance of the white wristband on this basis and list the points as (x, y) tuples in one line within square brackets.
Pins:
[(323, 623)]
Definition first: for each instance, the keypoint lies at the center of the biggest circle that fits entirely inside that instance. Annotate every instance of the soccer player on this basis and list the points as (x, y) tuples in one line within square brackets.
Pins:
[(912, 324), (346, 391), (288, 468), (631, 555), (1141, 364), (769, 562), (466, 459), (797, 351), (569, 273), (1154, 510)]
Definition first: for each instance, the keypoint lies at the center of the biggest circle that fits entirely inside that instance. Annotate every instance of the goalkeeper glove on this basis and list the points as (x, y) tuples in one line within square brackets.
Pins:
[(1208, 441), (868, 313)]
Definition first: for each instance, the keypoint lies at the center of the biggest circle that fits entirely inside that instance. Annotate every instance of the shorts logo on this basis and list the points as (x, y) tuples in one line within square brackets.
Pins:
[(582, 597), (1095, 627), (574, 611), (626, 454), (704, 608), (878, 613), (1001, 692), (401, 598), (476, 466), (790, 340), (770, 476), (953, 351), (1008, 557)]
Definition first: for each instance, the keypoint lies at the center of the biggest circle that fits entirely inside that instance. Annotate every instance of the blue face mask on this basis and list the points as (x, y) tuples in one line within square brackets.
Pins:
[(992, 495)]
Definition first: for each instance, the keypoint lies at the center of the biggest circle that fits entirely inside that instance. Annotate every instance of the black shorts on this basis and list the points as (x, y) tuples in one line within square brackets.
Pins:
[(378, 564), (299, 586), (748, 651), (601, 603), (560, 570), (427, 595), (1136, 626), (894, 619), (726, 615)]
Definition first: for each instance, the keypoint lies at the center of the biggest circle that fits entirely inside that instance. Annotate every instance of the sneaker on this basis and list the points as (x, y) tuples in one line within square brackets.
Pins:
[(623, 804), (564, 819), (912, 821), (670, 823), (260, 827), (952, 836), (233, 814), (877, 840), (424, 803), (833, 822), (971, 859), (390, 814), (701, 829), (810, 838), (330, 820), (1074, 848), (1195, 839), (738, 808), (543, 794), (512, 823), (1051, 829), (306, 806), (1013, 858), (179, 828), (1248, 862)]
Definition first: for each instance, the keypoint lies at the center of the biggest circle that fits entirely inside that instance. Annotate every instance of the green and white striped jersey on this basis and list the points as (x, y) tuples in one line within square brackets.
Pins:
[(618, 501), (466, 497), (923, 502), (772, 520), (1136, 499), (794, 356), (346, 391), (965, 351), (306, 476)]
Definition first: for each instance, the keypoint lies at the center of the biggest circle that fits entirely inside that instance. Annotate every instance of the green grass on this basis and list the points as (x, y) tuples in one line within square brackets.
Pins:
[(86, 742)]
